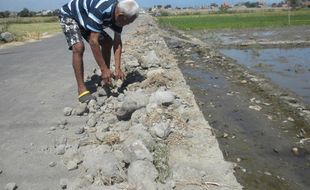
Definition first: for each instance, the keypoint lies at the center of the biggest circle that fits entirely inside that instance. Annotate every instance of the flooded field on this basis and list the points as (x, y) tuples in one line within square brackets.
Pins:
[(269, 142), (289, 68)]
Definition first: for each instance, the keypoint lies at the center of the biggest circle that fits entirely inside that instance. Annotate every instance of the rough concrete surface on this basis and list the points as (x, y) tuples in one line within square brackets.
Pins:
[(145, 133)]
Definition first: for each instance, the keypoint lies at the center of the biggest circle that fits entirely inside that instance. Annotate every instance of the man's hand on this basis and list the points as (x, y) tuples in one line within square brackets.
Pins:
[(119, 74), (106, 76)]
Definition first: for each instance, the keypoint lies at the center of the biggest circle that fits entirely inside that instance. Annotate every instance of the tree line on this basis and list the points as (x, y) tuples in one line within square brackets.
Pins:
[(27, 13)]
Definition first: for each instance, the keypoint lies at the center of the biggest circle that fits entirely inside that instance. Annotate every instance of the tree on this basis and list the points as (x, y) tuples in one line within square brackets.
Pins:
[(24, 13), (56, 12), (293, 3), (168, 7), (5, 14)]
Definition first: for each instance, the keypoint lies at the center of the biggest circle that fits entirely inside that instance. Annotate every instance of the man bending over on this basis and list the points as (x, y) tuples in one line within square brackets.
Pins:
[(87, 19)]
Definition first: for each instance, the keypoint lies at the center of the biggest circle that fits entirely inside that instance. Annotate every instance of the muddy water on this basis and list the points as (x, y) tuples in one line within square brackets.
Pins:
[(288, 68), (259, 142)]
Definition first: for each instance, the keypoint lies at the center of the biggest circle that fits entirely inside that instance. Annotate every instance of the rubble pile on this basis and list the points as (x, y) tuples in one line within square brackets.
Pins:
[(145, 132)]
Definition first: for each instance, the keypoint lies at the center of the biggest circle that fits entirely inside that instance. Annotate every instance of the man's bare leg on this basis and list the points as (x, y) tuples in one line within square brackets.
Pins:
[(78, 66)]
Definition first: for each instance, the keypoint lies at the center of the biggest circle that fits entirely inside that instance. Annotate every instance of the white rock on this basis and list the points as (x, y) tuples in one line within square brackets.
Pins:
[(149, 60), (161, 97), (290, 119), (142, 174), (132, 102), (79, 130), (255, 107), (67, 111), (60, 149), (52, 164), (7, 36), (162, 130), (10, 186), (81, 109), (71, 165), (92, 122), (100, 160), (137, 151)]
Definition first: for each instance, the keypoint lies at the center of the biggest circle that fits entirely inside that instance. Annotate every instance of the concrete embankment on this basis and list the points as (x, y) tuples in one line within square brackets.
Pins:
[(146, 132)]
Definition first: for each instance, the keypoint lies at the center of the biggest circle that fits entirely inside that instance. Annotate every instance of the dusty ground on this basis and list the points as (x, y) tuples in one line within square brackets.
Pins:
[(167, 143)]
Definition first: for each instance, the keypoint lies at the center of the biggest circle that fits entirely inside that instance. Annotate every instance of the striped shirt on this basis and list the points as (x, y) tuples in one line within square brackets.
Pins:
[(92, 15)]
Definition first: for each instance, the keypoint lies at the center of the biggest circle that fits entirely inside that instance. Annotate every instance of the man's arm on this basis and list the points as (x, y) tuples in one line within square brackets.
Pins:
[(117, 56), (95, 47)]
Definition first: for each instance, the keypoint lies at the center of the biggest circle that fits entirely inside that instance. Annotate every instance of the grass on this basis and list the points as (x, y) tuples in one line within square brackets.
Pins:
[(29, 27), (236, 20)]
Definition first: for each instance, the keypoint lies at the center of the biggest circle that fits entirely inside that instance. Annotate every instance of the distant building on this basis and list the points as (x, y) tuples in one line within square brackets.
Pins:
[(44, 13), (305, 3)]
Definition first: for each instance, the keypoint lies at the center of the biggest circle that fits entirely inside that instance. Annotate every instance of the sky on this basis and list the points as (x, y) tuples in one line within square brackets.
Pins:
[(36, 5)]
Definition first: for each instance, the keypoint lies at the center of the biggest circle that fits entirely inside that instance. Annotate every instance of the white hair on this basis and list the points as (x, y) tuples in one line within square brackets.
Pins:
[(129, 8)]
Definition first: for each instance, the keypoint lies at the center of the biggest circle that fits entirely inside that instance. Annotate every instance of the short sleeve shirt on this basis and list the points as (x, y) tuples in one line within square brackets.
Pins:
[(92, 15)]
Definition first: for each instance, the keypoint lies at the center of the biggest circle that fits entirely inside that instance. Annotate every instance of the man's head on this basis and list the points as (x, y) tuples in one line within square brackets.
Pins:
[(126, 12)]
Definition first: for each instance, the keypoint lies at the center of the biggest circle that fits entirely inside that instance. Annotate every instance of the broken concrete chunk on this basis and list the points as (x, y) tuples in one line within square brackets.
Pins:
[(71, 165), (60, 149), (142, 174), (137, 151), (81, 109), (10, 186), (162, 97)]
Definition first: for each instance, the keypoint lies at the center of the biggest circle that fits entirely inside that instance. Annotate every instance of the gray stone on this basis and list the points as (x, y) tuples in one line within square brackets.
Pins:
[(162, 130), (101, 91), (52, 164), (74, 155), (63, 122), (137, 151), (139, 116), (63, 183), (138, 132), (71, 165), (7, 36), (61, 149), (101, 100), (119, 155), (10, 186), (79, 130), (149, 60), (1, 171), (67, 111), (92, 106), (101, 131), (162, 97), (132, 62), (92, 121), (99, 159), (142, 174), (81, 109), (132, 102)]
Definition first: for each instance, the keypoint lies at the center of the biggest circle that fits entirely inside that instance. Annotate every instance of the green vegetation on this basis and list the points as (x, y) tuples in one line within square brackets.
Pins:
[(25, 28), (237, 20)]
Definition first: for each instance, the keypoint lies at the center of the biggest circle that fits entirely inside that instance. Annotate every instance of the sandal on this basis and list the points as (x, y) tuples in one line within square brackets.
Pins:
[(85, 97)]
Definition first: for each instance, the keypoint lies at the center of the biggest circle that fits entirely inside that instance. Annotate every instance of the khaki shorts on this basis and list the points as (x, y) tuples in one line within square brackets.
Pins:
[(74, 33)]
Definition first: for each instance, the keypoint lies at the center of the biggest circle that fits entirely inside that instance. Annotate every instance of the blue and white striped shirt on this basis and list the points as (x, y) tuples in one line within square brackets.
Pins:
[(92, 15)]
